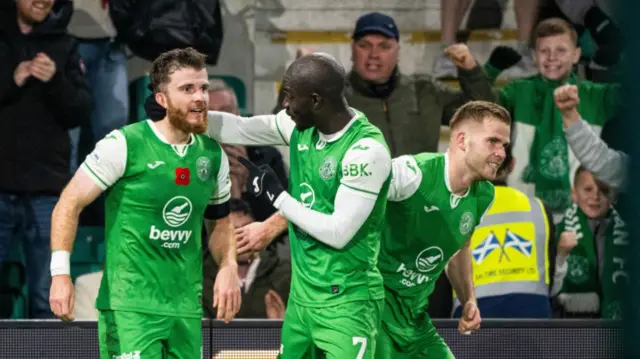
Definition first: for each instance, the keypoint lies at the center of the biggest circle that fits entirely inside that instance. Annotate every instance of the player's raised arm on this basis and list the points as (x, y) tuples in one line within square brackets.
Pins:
[(263, 130), (100, 170), (222, 244), (366, 166)]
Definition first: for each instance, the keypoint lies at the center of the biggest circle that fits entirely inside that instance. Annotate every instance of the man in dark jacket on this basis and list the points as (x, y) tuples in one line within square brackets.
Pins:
[(43, 93), (409, 110)]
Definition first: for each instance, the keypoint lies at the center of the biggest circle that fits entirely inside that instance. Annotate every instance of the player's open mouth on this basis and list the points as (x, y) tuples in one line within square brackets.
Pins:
[(494, 165), (197, 110)]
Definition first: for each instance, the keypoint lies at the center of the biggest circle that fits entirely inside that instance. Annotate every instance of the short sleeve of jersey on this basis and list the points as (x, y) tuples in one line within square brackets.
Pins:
[(106, 164), (365, 167), (284, 125), (223, 189), (405, 178)]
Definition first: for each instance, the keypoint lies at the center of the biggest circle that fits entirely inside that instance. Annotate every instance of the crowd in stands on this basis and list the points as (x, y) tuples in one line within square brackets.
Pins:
[(554, 241)]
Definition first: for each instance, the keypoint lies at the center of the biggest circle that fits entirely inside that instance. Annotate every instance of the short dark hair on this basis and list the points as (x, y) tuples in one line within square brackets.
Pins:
[(238, 205), (170, 61), (478, 111), (553, 27), (319, 73)]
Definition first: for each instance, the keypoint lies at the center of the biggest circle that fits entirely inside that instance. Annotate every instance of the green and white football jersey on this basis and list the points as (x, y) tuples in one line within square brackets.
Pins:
[(425, 226), (355, 160), (322, 275), (156, 195)]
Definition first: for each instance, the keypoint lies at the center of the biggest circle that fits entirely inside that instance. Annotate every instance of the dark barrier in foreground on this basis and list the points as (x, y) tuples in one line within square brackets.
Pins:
[(257, 339)]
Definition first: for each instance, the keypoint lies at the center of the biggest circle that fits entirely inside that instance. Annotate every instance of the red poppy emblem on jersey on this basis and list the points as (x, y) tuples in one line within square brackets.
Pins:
[(182, 176)]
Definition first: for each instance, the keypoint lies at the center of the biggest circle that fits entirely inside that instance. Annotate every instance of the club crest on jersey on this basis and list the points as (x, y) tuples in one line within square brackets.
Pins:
[(328, 168), (203, 167), (466, 223)]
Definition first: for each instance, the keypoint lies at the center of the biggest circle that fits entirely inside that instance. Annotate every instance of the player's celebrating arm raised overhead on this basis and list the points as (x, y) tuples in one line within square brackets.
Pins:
[(162, 179), (435, 202), (340, 167)]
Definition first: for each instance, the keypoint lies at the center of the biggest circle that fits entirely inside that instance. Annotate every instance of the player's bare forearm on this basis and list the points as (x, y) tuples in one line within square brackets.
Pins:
[(460, 273), (222, 242), (276, 225), (79, 193), (64, 224)]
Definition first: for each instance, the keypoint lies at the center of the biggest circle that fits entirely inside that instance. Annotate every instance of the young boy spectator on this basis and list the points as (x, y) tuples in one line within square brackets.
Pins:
[(596, 273), (545, 164)]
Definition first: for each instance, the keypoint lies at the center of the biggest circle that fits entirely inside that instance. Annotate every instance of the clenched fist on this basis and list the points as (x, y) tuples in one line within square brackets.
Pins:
[(567, 99), (567, 241), (460, 56)]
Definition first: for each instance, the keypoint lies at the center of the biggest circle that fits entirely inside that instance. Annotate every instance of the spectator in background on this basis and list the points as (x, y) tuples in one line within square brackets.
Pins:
[(106, 66), (517, 264), (545, 166), (223, 98), (265, 280), (408, 111), (451, 15), (596, 16), (43, 94), (606, 165), (596, 275)]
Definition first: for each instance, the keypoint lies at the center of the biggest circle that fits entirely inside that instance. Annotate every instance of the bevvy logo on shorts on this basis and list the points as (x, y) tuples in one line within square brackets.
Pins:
[(175, 213)]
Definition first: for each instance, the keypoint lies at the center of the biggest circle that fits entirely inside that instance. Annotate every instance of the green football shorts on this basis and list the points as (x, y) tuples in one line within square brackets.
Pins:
[(133, 335), (344, 331), (401, 337)]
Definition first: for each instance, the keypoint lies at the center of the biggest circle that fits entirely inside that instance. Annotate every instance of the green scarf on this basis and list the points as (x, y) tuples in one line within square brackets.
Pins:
[(548, 165), (584, 290)]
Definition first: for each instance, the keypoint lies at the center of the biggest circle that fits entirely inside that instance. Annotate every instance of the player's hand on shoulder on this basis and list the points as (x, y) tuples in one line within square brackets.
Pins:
[(62, 297), (226, 292), (470, 319), (263, 181)]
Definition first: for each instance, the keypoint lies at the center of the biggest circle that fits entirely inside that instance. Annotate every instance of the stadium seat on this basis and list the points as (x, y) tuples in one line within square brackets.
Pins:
[(88, 251), (13, 289)]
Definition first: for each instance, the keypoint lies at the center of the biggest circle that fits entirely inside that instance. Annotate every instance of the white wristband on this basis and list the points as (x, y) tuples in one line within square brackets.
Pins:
[(60, 263)]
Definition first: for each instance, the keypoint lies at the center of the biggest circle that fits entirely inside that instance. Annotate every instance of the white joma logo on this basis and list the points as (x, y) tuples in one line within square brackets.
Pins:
[(431, 208), (155, 164), (303, 147)]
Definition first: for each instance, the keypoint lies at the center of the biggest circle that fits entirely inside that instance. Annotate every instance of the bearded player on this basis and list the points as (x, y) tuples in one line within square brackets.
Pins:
[(335, 214), (435, 200), (162, 179)]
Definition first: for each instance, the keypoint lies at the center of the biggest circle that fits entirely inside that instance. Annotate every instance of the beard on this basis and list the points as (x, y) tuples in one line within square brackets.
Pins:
[(178, 119)]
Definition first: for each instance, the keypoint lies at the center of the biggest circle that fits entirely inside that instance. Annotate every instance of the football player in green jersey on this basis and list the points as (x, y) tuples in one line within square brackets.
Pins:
[(435, 201), (340, 174), (162, 179)]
